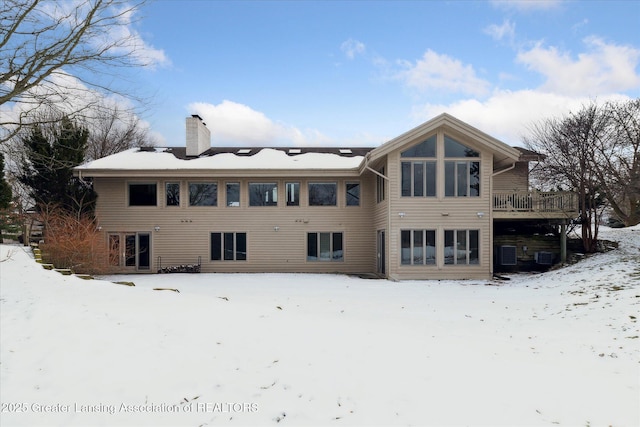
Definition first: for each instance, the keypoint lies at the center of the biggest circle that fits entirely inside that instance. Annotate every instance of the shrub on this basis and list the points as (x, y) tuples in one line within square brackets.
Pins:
[(71, 240)]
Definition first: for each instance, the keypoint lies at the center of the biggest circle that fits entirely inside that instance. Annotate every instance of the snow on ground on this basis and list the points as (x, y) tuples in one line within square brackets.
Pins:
[(296, 349)]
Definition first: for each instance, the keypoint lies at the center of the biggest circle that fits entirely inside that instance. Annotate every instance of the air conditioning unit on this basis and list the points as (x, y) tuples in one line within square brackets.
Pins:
[(508, 255), (544, 258)]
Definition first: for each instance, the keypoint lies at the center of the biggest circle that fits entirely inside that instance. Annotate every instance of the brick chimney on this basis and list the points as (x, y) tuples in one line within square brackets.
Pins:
[(198, 136)]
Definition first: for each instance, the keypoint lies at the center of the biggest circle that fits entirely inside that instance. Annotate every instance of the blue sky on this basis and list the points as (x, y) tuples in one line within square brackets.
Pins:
[(359, 73)]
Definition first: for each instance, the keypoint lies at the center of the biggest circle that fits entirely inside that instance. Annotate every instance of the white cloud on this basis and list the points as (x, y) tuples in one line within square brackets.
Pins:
[(441, 73), (506, 115), (142, 51), (500, 32), (604, 68), (234, 124), (352, 47)]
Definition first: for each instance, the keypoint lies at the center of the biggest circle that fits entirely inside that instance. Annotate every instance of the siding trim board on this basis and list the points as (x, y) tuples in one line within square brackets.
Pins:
[(276, 234)]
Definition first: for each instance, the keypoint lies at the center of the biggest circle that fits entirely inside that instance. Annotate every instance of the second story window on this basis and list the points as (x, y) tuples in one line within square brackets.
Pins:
[(323, 193), (461, 175), (203, 194), (143, 194), (353, 193), (172, 194), (418, 168), (462, 179), (263, 194), (419, 179), (233, 194), (380, 186), (293, 193)]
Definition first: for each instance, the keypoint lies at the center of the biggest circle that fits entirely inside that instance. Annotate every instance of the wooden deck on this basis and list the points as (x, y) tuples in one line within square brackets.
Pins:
[(535, 205)]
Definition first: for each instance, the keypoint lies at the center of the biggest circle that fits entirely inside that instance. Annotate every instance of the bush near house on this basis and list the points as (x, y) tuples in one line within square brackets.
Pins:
[(72, 241)]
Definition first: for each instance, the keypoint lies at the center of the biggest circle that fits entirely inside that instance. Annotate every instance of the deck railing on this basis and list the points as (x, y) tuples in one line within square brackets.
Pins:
[(535, 201)]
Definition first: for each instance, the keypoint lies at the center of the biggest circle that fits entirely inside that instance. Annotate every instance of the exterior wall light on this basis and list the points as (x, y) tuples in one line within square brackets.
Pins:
[(276, 228), (480, 214), (401, 214), (157, 228)]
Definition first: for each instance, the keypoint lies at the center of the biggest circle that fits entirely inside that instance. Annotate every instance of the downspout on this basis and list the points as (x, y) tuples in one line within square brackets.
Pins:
[(388, 234)]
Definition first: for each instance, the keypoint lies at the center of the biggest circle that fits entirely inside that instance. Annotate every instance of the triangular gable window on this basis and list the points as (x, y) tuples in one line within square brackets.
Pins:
[(453, 148), (426, 148)]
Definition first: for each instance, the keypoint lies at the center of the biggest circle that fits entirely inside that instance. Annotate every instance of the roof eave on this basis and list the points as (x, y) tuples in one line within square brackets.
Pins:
[(214, 173)]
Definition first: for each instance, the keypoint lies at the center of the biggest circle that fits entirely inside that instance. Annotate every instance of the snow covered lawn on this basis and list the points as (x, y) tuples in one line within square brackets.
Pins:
[(265, 349)]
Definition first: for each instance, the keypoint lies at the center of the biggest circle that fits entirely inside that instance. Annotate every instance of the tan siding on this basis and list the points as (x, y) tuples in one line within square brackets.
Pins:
[(184, 233), (440, 213), (516, 179)]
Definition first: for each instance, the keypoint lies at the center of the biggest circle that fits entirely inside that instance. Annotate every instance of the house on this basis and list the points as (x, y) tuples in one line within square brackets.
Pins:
[(440, 201)]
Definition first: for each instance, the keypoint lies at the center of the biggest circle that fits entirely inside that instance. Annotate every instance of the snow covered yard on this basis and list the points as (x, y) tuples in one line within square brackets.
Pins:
[(266, 349)]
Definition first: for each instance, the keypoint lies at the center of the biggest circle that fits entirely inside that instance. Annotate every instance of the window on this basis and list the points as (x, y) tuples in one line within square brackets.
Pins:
[(453, 148), (293, 193), (322, 194), (418, 247), (228, 246), (461, 247), (203, 194), (142, 195), (353, 193), (233, 194), (263, 194), (427, 148), (419, 179), (325, 247), (172, 194), (380, 186), (462, 179)]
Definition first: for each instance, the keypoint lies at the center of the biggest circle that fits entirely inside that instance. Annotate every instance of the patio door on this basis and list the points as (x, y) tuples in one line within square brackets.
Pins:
[(130, 250), (381, 255)]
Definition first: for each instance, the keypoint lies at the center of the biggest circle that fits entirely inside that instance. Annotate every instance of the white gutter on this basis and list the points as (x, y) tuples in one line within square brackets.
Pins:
[(504, 170)]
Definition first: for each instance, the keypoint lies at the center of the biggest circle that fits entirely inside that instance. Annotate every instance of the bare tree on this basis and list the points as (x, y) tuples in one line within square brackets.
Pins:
[(114, 129), (568, 144), (57, 53), (616, 159)]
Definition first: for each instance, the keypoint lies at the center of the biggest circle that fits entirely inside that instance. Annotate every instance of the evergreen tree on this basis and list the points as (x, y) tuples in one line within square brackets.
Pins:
[(5, 189), (6, 215), (50, 158)]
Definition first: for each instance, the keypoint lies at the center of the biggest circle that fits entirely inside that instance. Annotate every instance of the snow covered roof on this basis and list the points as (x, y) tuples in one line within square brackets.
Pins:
[(226, 159)]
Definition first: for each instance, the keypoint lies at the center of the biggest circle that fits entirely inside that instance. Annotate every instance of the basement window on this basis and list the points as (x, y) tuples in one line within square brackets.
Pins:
[(228, 246), (461, 247), (325, 247)]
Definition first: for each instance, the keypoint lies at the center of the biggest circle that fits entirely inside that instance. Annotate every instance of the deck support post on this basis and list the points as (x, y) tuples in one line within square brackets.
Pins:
[(563, 241)]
